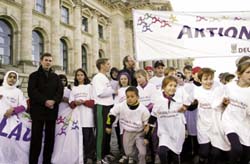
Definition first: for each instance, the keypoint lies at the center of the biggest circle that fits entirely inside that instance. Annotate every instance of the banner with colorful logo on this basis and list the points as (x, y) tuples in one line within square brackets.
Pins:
[(178, 35), (68, 146)]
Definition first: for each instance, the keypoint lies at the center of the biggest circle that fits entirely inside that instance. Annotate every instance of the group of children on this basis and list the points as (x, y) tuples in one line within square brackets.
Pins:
[(166, 117)]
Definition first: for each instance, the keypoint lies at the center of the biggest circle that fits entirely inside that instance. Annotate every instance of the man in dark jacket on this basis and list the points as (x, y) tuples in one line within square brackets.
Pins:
[(45, 91), (129, 66)]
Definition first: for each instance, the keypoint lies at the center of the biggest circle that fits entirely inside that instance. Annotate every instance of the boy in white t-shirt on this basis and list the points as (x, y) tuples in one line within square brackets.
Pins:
[(159, 74), (133, 116), (103, 97)]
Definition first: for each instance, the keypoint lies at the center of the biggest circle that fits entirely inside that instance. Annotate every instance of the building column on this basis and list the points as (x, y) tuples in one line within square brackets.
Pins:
[(55, 35), (95, 43), (77, 39), (118, 38), (26, 33)]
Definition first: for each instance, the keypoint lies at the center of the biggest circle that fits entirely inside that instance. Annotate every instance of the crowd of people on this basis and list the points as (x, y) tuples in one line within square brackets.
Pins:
[(159, 114)]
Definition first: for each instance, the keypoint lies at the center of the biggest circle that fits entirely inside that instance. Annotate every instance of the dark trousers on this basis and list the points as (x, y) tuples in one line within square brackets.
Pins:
[(102, 138), (190, 148), (167, 156), (36, 140), (238, 151), (88, 143)]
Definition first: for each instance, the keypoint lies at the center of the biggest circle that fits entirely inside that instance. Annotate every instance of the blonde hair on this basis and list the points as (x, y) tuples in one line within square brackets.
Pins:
[(243, 67), (168, 70), (141, 72)]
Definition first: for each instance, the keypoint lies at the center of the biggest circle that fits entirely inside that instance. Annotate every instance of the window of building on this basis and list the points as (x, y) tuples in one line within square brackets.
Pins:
[(85, 24), (37, 46), (100, 31), (64, 54), (101, 53), (40, 6), (84, 58), (65, 14), (5, 43)]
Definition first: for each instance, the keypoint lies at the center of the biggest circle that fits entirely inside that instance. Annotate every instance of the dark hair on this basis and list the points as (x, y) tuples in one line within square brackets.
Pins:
[(61, 76), (86, 79), (100, 62), (188, 67), (133, 89), (127, 75), (46, 54), (125, 59), (205, 71), (114, 69)]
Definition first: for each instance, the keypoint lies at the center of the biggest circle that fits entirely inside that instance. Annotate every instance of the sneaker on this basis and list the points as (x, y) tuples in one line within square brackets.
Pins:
[(110, 157), (89, 161), (130, 160), (105, 160), (124, 159), (98, 162), (157, 159)]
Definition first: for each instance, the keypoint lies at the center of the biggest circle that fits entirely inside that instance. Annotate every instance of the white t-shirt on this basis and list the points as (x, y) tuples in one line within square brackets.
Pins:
[(131, 120), (236, 117), (171, 123), (148, 94), (100, 84), (157, 81), (209, 126), (121, 96), (13, 96), (64, 105), (83, 92)]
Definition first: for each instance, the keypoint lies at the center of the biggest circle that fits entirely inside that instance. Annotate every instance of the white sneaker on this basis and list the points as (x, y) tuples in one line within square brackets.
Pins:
[(124, 159), (157, 159), (105, 160), (130, 160)]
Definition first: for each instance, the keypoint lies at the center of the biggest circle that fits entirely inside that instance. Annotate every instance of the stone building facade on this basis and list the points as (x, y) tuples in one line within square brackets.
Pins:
[(75, 32)]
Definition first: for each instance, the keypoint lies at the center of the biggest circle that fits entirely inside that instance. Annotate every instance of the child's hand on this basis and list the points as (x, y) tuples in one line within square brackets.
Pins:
[(146, 129), (79, 102), (9, 112), (182, 109), (108, 130), (225, 101), (145, 141)]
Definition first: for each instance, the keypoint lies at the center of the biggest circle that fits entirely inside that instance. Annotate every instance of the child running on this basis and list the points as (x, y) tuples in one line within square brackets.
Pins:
[(171, 121), (133, 116)]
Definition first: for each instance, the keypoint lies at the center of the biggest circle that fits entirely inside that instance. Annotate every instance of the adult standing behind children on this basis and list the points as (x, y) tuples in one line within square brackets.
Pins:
[(129, 67), (45, 91), (103, 96)]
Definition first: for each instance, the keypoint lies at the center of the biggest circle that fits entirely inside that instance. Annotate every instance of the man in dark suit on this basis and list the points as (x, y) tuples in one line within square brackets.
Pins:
[(45, 91)]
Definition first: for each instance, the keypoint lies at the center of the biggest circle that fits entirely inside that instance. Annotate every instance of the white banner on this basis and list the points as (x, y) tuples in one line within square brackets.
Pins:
[(68, 146), (178, 35), (15, 135)]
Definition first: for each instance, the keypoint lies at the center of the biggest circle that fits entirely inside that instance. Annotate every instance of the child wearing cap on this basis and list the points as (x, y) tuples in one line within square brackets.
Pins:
[(150, 71), (159, 74)]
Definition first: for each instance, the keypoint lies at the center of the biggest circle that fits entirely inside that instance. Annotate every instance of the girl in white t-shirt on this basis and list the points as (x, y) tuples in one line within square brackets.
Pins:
[(236, 117), (66, 92), (81, 99), (168, 112), (148, 94)]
